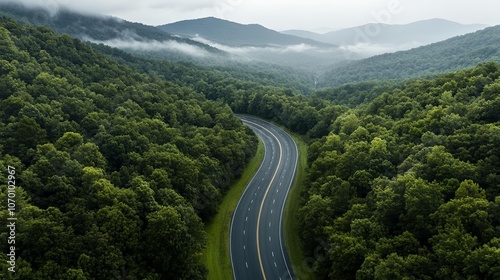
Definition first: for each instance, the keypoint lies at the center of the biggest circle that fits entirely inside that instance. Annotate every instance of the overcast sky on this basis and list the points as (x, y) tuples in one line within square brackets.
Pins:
[(290, 14)]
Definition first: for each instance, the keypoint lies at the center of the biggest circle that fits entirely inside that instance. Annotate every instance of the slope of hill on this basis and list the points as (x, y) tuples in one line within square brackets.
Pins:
[(450, 55), (99, 28), (254, 42), (114, 168), (235, 34), (409, 185), (392, 37)]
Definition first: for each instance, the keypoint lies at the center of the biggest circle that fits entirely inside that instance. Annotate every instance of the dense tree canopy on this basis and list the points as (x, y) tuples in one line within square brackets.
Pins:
[(115, 169), (408, 186), (450, 55), (120, 159)]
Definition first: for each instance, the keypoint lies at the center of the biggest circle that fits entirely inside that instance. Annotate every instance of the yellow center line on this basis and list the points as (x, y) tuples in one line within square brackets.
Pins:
[(265, 195)]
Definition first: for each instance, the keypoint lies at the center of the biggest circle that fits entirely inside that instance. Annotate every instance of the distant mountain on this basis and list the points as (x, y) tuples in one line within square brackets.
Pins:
[(398, 36), (304, 34), (235, 34), (253, 42), (97, 28), (449, 55)]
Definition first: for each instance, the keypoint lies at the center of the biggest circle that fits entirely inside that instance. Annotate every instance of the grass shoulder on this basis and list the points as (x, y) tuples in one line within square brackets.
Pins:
[(216, 256), (290, 222)]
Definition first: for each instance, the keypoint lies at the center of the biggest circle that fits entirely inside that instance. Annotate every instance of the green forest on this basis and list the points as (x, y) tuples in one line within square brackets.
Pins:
[(407, 186), (116, 170), (121, 160), (450, 55)]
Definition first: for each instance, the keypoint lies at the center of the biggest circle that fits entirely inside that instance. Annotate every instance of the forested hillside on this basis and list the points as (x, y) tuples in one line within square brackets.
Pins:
[(450, 55), (88, 26), (119, 160), (408, 187), (115, 170)]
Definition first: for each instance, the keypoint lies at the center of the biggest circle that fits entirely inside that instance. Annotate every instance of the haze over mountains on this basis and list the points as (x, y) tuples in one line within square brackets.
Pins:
[(390, 37), (220, 42), (108, 30), (235, 34), (445, 56), (256, 42)]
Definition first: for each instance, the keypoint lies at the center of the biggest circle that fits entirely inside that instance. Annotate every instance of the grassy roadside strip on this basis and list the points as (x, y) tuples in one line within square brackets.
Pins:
[(216, 255), (290, 221)]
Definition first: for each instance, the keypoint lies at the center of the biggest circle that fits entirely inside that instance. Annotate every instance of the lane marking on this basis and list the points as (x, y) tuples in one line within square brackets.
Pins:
[(265, 196), (247, 188), (294, 146)]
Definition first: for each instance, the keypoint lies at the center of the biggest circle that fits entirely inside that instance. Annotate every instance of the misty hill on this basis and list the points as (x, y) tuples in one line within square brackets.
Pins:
[(96, 28), (400, 37), (450, 55), (235, 34)]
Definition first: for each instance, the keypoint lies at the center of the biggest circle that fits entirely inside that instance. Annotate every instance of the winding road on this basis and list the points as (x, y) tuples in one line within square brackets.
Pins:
[(257, 245)]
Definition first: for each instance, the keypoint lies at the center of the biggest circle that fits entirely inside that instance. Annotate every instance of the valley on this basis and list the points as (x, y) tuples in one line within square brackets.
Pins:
[(132, 144)]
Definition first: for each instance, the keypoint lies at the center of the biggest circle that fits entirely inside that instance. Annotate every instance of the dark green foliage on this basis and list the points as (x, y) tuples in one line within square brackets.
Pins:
[(450, 55), (407, 186), (356, 93), (91, 27), (116, 169), (218, 64)]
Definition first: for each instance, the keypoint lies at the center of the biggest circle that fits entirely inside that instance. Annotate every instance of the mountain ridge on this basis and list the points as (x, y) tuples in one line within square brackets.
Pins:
[(235, 34), (93, 27), (459, 52), (414, 34)]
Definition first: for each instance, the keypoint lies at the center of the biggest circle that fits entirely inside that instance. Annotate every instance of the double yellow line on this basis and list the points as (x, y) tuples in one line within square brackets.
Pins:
[(265, 195)]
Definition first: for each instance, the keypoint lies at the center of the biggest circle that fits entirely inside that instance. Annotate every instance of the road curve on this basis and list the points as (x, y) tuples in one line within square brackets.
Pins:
[(257, 246)]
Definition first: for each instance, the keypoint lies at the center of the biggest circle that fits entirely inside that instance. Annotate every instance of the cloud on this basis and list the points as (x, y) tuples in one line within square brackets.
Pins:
[(247, 50), (367, 50), (171, 45), (52, 6), (299, 48), (185, 5)]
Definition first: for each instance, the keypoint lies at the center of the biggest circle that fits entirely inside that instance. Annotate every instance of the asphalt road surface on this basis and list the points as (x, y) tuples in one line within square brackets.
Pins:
[(257, 245)]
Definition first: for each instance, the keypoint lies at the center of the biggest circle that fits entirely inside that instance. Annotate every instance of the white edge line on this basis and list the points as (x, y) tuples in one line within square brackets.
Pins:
[(282, 208), (284, 203), (237, 205)]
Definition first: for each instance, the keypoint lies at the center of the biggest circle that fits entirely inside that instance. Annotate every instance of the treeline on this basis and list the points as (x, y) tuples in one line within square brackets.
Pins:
[(408, 186), (189, 70), (115, 169), (91, 27), (450, 55), (245, 94), (356, 94)]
